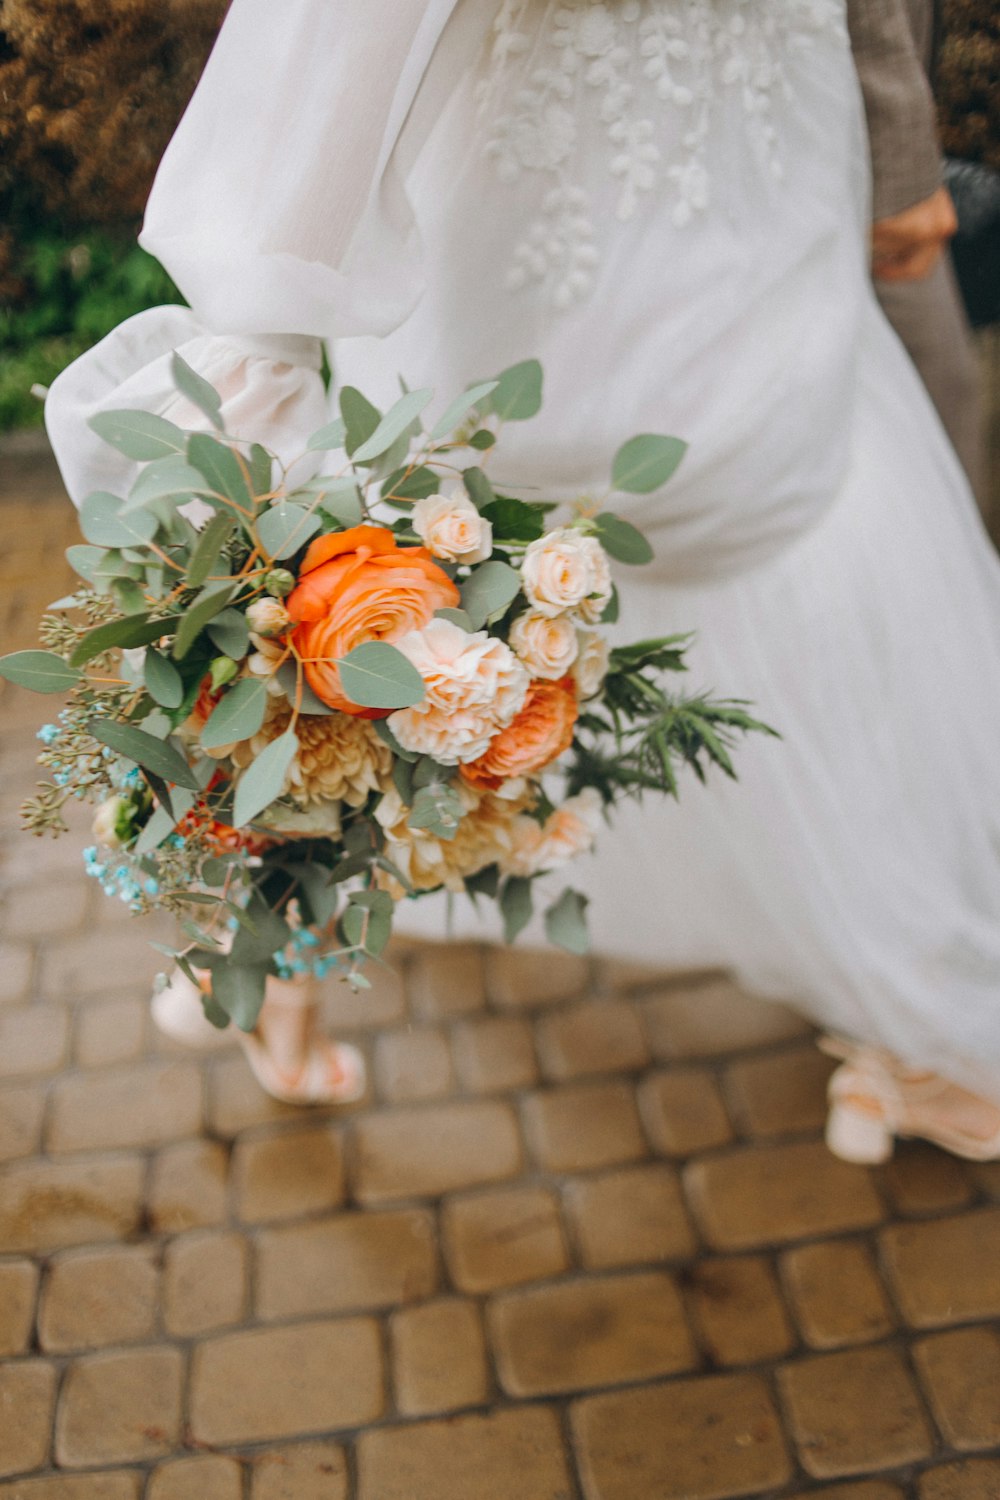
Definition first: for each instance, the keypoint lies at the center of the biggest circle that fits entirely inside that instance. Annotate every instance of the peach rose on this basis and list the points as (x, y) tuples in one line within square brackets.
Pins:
[(451, 528), (548, 647), (591, 665), (539, 735), (567, 572), (357, 586)]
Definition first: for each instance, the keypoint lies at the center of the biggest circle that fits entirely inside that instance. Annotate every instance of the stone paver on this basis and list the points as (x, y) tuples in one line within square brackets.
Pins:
[(277, 1383), (633, 1216), (571, 1180), (854, 1411), (18, 1290), (352, 1262), (837, 1295), (309, 1471), (740, 1313), (215, 1478), (117, 1485), (683, 1440), (575, 1335), (116, 1408), (960, 1371), (684, 1111), (204, 1283), (426, 1381), (27, 1393), (491, 1457), (289, 1174), (504, 1238), (946, 1270), (584, 1125), (422, 1153), (189, 1186), (760, 1197), (97, 1297), (977, 1479)]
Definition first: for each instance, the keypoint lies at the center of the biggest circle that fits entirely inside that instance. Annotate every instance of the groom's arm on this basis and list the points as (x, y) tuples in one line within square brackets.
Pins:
[(913, 214)]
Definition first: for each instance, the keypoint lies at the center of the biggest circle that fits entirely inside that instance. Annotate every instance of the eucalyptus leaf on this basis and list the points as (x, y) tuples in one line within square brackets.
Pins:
[(437, 809), (285, 528), (238, 715), (480, 491), (339, 499), (163, 681), (461, 406), (264, 779), (210, 602), (129, 597), (621, 540), (330, 436), (610, 613), (103, 524), (411, 486), (222, 468), (85, 560), (360, 418), (230, 633), (518, 395), (488, 590), (163, 822), (483, 440), (646, 462), (516, 907), (198, 391), (393, 425), (566, 922), (376, 675), (138, 434), (162, 758), (170, 478), (456, 616), (40, 671), (126, 634), (301, 693), (238, 991), (261, 467), (208, 549)]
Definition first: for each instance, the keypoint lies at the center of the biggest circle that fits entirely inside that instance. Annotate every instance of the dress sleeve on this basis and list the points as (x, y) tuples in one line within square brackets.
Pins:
[(280, 211)]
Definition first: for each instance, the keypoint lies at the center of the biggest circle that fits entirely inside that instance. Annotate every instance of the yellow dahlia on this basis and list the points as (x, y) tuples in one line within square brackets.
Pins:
[(340, 758)]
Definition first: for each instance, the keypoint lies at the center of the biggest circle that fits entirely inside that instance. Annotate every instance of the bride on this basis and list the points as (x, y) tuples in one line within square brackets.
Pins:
[(666, 202)]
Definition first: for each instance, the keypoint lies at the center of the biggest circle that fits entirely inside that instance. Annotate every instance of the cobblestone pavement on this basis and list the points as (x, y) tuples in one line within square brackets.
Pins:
[(581, 1242)]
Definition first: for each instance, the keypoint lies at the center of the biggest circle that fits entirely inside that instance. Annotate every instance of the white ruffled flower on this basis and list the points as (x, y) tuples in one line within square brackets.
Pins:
[(546, 644), (265, 661), (452, 529), (475, 686), (591, 665), (567, 832), (567, 572)]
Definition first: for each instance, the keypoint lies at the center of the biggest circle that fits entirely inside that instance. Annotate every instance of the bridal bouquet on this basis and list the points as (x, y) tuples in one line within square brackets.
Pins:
[(300, 704)]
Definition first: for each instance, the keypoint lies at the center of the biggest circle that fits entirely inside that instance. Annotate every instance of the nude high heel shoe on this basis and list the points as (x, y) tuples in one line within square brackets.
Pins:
[(874, 1099), (289, 1057)]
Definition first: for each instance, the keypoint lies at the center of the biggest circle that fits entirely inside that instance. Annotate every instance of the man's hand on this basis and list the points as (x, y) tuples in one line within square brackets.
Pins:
[(907, 246)]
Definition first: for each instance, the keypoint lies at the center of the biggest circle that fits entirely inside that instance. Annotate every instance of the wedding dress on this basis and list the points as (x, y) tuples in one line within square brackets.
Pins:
[(666, 202)]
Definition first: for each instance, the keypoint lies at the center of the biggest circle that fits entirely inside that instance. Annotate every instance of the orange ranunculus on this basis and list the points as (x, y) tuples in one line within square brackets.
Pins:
[(539, 735), (357, 586)]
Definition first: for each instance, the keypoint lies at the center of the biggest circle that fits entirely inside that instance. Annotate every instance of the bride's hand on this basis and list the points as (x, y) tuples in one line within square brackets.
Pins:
[(907, 246)]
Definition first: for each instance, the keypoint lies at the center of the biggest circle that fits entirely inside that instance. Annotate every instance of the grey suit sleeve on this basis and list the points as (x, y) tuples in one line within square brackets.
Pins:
[(902, 125)]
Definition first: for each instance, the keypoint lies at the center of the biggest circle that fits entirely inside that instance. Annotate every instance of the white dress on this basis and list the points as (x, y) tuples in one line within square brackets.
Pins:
[(666, 202)]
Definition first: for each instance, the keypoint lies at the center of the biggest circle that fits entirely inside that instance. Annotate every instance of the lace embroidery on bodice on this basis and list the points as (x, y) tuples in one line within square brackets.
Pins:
[(628, 62)]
